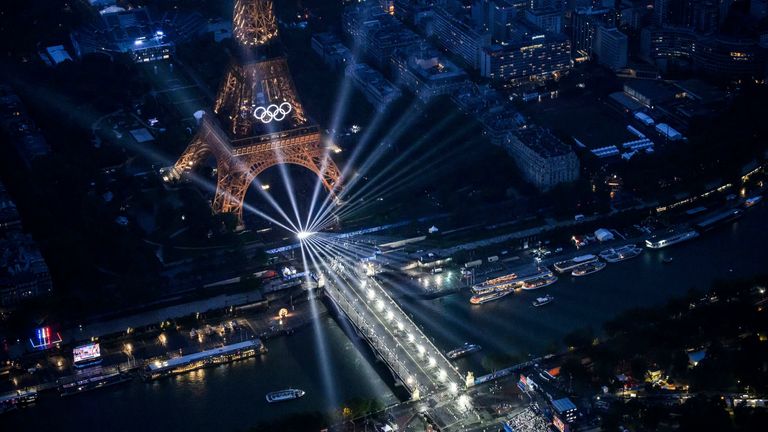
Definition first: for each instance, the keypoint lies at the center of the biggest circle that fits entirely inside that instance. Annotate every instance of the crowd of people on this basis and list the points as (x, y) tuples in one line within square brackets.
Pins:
[(528, 421)]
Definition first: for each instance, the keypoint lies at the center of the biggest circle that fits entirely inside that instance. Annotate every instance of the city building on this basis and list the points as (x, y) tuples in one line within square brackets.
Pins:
[(413, 11), (23, 271), (330, 49), (375, 33), (713, 55), (453, 31), (135, 33), (549, 20), (491, 109), (9, 215), (650, 93), (611, 47), (529, 55), (379, 92), (503, 14), (426, 72), (542, 158), (584, 24), (17, 127)]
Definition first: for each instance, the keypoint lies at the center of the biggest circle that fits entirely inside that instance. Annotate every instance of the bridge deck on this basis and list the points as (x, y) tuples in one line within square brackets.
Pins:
[(401, 344)]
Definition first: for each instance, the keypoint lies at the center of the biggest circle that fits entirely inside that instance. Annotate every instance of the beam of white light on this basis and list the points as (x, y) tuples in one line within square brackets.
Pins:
[(414, 169), (406, 118), (394, 134), (320, 342), (303, 235), (326, 243)]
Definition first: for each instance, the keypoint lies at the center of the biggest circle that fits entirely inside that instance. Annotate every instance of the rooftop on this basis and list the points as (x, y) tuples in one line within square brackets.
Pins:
[(542, 141)]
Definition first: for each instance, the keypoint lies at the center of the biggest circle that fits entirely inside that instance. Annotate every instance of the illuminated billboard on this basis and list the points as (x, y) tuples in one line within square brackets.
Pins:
[(87, 353)]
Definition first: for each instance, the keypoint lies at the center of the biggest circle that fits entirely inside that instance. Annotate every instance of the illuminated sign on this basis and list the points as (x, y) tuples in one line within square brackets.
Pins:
[(87, 353), (44, 338), (562, 427), (272, 112)]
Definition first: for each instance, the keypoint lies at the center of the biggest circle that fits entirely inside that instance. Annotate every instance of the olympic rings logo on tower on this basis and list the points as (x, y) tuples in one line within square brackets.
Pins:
[(272, 112)]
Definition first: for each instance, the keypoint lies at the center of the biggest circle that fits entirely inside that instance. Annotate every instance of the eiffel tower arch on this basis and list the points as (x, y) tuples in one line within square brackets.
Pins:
[(257, 121)]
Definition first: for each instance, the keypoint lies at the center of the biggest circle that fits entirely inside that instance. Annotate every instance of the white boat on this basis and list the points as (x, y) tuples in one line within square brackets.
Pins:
[(541, 301), (588, 268), (539, 281), (495, 284), (464, 350), (485, 298), (622, 253), (664, 240), (284, 395), (564, 266)]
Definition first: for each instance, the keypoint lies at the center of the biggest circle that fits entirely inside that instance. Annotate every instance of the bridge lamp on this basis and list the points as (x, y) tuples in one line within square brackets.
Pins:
[(411, 338), (432, 362), (453, 387), (390, 315), (371, 294), (380, 305), (443, 375), (400, 326), (409, 380), (421, 349), (303, 235)]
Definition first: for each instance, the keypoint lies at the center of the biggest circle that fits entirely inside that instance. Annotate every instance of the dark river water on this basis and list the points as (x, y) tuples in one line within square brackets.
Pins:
[(322, 360)]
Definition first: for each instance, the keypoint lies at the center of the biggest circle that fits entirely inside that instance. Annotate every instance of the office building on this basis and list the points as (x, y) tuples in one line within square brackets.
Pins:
[(379, 92), (549, 20), (584, 24), (611, 47), (426, 72), (376, 34), (542, 158), (529, 55), (454, 32)]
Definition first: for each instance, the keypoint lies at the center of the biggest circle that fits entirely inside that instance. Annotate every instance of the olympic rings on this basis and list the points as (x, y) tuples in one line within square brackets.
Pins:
[(272, 112)]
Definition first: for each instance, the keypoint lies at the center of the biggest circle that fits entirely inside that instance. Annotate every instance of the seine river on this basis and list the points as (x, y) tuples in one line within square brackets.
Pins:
[(322, 357)]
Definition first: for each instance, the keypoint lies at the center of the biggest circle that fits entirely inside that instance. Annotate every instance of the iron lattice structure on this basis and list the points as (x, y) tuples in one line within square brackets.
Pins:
[(239, 162), (243, 143), (250, 85), (254, 22)]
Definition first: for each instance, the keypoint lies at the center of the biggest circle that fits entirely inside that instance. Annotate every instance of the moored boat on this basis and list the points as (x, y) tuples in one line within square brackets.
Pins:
[(622, 253), (541, 281), (658, 241), (490, 296), (495, 284), (564, 266), (588, 268)]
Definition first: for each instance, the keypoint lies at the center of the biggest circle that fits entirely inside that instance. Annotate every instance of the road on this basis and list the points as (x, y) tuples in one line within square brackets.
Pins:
[(421, 367)]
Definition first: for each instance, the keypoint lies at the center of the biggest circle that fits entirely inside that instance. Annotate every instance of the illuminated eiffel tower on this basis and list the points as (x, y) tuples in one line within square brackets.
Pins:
[(258, 119)]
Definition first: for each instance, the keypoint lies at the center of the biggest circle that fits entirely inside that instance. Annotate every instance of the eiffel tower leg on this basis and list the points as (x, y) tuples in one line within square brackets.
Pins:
[(326, 169), (193, 154), (232, 184)]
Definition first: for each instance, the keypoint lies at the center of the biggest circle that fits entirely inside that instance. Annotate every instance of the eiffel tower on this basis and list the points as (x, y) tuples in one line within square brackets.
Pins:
[(258, 120)]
